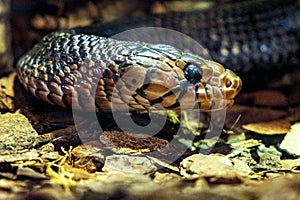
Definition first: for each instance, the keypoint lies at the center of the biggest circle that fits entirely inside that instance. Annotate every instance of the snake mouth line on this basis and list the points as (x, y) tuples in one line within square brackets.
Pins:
[(196, 96)]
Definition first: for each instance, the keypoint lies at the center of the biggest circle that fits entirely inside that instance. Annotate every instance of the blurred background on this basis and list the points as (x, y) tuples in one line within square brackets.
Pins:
[(24, 22)]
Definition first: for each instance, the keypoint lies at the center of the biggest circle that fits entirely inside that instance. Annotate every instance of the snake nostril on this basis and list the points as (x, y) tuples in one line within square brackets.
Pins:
[(228, 83)]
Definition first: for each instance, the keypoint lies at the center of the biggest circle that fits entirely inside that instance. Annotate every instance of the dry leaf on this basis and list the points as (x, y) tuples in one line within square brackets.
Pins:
[(211, 166), (7, 93), (269, 128), (17, 134), (128, 164), (292, 140)]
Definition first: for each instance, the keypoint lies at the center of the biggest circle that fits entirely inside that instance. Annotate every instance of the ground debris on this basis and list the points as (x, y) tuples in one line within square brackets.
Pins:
[(214, 167), (87, 157), (292, 140), (12, 189), (269, 128), (128, 164), (16, 133), (7, 93), (132, 142), (43, 157)]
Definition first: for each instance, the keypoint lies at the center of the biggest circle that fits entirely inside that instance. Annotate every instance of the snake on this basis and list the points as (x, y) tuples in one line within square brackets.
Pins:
[(81, 67)]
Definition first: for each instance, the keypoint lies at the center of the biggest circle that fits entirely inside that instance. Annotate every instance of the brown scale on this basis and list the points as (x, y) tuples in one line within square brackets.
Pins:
[(56, 79), (44, 77), (55, 88), (127, 86), (101, 97), (42, 91), (57, 99), (161, 83)]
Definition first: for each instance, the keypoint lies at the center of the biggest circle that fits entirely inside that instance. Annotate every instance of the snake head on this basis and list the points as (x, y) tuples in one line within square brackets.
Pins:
[(215, 87), (179, 80)]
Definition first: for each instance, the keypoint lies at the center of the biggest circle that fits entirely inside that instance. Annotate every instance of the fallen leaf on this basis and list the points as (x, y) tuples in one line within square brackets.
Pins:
[(128, 164), (215, 166), (290, 164), (16, 132), (292, 140), (7, 93), (269, 128), (28, 172)]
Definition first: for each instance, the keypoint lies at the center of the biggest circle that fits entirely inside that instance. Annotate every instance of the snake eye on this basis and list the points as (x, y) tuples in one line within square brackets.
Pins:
[(192, 73)]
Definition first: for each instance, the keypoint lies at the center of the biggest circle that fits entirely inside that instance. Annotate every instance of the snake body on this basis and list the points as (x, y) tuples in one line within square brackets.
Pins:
[(250, 37), (77, 68)]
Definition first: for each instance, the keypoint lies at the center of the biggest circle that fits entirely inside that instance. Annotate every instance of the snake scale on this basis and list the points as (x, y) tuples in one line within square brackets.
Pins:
[(76, 68)]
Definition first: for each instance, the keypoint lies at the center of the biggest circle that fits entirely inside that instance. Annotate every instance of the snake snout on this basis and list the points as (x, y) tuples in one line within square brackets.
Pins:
[(232, 84)]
